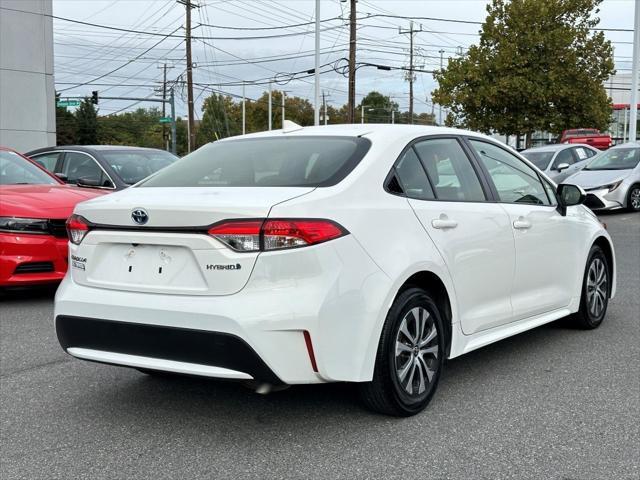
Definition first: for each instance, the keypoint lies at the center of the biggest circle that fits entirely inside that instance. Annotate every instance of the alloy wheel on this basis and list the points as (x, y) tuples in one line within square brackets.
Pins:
[(634, 198), (597, 287), (416, 351)]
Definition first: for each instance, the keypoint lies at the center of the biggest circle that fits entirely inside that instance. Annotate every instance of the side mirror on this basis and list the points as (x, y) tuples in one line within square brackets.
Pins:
[(88, 182), (569, 195), (61, 176), (562, 166)]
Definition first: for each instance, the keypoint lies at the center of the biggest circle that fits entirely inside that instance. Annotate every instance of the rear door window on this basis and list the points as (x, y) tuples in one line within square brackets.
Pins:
[(412, 177), (450, 170), (47, 161)]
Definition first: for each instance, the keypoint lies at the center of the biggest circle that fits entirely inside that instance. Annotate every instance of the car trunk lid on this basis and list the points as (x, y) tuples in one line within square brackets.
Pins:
[(171, 253)]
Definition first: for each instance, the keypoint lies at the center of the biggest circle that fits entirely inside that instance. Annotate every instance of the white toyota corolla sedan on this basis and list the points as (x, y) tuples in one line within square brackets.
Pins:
[(348, 253)]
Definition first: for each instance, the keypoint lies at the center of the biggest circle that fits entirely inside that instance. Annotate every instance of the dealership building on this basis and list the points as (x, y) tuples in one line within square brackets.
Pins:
[(27, 92)]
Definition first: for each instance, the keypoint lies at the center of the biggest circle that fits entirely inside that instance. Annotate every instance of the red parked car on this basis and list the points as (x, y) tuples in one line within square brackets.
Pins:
[(589, 136), (34, 206)]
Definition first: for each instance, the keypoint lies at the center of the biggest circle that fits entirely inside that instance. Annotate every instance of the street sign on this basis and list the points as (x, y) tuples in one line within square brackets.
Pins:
[(68, 103), (165, 120)]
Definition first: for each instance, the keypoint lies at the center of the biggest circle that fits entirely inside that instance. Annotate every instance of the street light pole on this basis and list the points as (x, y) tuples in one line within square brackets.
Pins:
[(244, 111), (269, 106), (283, 117), (440, 106), (633, 120), (316, 113)]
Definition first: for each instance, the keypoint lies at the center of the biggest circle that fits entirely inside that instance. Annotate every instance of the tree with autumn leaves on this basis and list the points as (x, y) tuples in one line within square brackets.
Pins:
[(540, 65)]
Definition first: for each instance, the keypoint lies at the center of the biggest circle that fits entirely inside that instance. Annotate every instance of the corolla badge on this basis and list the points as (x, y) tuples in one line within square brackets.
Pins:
[(140, 216)]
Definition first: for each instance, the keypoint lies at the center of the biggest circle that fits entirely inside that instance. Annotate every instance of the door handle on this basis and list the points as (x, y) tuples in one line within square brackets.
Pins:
[(443, 223), (521, 224)]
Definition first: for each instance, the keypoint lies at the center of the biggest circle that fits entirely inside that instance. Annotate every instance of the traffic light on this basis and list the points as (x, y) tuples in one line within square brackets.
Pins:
[(94, 97)]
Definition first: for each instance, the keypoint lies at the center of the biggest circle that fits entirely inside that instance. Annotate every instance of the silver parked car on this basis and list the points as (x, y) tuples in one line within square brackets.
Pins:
[(560, 161), (612, 179)]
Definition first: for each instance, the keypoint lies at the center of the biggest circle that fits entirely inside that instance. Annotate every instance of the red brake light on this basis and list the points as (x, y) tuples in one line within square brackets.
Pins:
[(77, 228), (275, 234), (286, 233)]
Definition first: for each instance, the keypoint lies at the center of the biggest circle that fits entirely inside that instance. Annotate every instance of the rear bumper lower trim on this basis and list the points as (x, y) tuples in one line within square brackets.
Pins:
[(137, 361), (121, 343)]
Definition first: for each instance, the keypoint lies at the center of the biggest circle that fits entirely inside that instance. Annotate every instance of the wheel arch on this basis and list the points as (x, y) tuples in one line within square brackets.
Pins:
[(607, 248), (433, 284)]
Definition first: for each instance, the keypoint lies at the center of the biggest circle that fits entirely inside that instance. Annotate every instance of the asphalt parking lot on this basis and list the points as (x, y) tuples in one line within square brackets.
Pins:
[(553, 403)]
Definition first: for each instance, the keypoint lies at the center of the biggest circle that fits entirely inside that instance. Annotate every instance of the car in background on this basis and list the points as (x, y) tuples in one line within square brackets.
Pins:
[(102, 166), (590, 136), (612, 179), (34, 206), (560, 161)]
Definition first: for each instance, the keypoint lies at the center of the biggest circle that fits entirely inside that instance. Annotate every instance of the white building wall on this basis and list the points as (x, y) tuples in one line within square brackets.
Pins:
[(27, 95)]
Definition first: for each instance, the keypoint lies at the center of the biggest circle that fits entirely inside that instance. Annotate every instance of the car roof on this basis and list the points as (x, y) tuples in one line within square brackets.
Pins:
[(555, 147), (627, 145), (89, 148), (381, 132)]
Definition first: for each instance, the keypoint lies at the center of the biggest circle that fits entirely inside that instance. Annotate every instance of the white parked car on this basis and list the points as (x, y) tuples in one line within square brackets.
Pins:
[(348, 253), (560, 161), (612, 179)]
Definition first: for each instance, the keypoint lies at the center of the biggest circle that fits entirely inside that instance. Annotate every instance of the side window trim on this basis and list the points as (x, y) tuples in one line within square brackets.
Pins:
[(488, 176)]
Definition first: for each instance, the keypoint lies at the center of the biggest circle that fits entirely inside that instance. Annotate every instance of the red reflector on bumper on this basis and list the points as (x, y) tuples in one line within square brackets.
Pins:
[(312, 357)]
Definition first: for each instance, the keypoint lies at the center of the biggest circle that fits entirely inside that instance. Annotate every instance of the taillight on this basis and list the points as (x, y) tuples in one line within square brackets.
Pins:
[(275, 234), (77, 228), (239, 235)]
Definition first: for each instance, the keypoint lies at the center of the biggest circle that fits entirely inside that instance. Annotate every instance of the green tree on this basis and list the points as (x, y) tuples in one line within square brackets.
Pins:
[(66, 126), (87, 121), (538, 66), (378, 108)]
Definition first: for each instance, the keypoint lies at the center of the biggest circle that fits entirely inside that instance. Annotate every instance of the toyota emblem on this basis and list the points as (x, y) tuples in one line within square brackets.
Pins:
[(140, 216)]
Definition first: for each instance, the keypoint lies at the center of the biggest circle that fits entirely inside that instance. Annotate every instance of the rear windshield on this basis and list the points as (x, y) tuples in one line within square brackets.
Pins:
[(286, 161), (539, 159), (134, 165)]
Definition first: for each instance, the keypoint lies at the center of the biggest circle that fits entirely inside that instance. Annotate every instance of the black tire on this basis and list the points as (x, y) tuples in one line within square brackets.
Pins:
[(587, 317), (386, 393), (634, 196)]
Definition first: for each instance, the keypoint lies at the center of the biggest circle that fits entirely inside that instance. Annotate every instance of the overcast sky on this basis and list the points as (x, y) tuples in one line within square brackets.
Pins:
[(84, 52)]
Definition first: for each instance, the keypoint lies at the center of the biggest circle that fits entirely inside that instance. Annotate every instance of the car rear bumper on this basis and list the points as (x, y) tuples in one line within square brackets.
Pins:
[(181, 350), (317, 304), (31, 259)]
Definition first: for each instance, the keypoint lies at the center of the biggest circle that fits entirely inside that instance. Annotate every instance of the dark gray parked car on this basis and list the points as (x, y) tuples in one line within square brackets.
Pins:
[(102, 166)]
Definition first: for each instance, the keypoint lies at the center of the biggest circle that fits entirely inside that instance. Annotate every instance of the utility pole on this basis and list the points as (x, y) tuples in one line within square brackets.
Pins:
[(316, 100), (172, 103), (165, 135), (351, 103), (633, 120), (191, 123), (440, 106), (362, 114), (393, 117), (410, 76), (269, 106)]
